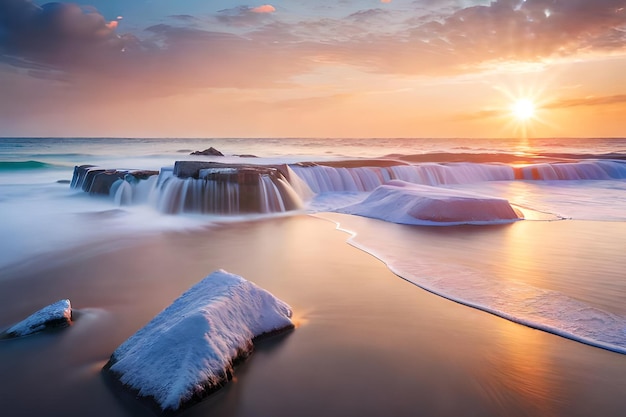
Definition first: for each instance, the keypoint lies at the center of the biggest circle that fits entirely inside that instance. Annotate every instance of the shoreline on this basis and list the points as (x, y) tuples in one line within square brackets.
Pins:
[(563, 308), (367, 342)]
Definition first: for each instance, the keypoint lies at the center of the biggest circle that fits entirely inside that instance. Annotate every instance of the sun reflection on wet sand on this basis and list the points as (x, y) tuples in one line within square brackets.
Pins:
[(522, 367)]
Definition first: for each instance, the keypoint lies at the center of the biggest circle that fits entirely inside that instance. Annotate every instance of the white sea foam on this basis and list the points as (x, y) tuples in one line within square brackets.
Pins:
[(41, 218), (548, 310)]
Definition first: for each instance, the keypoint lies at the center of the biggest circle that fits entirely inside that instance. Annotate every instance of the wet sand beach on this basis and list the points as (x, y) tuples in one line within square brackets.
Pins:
[(367, 342)]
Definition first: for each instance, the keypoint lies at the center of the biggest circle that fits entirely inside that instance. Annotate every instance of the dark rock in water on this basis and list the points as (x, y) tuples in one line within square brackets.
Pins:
[(191, 169), (95, 180), (143, 174), (208, 152), (246, 156), (53, 316), (101, 182), (80, 175), (212, 187), (134, 176), (63, 181)]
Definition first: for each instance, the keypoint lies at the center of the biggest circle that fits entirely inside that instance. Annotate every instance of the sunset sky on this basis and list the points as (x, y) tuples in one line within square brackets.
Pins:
[(295, 68)]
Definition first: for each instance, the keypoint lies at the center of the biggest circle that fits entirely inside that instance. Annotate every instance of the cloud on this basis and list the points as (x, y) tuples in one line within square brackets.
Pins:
[(527, 30), (266, 8), (245, 16), (478, 115), (186, 18), (587, 101), (58, 34), (254, 47), (501, 31)]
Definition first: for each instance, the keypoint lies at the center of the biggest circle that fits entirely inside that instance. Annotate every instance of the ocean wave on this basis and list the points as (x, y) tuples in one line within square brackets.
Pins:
[(546, 310), (25, 165), (480, 155), (61, 155)]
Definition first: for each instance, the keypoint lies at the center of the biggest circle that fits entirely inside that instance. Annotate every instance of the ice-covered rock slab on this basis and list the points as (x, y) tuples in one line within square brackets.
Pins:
[(55, 315), (407, 203), (187, 350)]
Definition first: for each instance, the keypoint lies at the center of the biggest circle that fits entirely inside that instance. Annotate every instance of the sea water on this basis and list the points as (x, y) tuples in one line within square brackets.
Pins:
[(560, 270), (41, 214)]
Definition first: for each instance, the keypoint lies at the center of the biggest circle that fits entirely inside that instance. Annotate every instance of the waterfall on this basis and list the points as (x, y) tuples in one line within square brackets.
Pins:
[(190, 195), (224, 191), (585, 170), (122, 193), (321, 178), (240, 189), (269, 196)]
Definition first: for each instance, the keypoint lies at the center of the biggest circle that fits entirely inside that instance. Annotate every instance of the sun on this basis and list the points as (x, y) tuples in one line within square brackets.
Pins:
[(523, 109)]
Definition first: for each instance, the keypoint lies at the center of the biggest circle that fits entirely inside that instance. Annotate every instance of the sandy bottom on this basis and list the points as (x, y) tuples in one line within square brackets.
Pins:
[(367, 343)]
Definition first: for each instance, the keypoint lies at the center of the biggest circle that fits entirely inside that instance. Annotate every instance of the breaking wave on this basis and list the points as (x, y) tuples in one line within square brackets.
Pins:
[(24, 165)]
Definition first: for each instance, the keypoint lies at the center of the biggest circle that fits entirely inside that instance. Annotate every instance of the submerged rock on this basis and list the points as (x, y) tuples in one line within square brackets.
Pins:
[(193, 169), (187, 351), (407, 203), (55, 315)]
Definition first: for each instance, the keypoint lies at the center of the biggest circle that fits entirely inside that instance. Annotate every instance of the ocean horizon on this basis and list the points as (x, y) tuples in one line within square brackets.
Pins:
[(329, 208)]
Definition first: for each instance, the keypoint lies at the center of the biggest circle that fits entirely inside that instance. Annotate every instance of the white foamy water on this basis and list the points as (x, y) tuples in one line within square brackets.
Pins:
[(456, 266), (41, 215)]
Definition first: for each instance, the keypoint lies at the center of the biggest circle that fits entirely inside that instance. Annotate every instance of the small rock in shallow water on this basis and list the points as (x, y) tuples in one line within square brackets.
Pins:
[(208, 152), (187, 351), (55, 315)]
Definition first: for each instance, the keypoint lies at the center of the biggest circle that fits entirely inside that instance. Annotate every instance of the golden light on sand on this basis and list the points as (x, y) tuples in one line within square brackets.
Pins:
[(523, 109)]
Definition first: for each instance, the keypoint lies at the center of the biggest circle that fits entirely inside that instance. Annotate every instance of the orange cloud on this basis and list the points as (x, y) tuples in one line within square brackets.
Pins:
[(588, 101), (478, 115), (266, 8)]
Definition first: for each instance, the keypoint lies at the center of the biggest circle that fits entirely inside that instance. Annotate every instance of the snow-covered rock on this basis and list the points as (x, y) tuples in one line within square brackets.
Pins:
[(406, 203), (187, 350), (55, 315)]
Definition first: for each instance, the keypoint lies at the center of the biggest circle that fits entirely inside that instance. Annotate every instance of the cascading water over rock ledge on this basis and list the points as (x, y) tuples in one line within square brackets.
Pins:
[(209, 187), (96, 180), (231, 188), (196, 187)]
